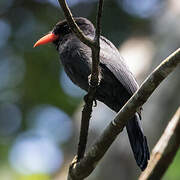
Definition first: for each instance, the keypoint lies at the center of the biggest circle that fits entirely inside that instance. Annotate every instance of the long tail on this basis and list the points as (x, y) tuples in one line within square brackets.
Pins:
[(138, 141)]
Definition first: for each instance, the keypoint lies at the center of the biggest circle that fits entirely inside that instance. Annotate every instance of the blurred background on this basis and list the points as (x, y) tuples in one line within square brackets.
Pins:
[(40, 108)]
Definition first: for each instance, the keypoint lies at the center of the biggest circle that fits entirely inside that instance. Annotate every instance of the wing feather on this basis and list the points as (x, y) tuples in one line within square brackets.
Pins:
[(115, 63)]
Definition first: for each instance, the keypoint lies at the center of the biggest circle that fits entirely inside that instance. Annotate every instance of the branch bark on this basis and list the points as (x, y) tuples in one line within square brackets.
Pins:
[(95, 48), (94, 80), (89, 98), (72, 24), (164, 151), (82, 169)]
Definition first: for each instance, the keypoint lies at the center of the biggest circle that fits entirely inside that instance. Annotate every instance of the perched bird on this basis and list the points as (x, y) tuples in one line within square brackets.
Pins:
[(117, 84)]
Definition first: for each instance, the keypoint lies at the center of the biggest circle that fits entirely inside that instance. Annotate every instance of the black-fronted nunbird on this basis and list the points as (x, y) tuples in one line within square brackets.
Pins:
[(117, 84)]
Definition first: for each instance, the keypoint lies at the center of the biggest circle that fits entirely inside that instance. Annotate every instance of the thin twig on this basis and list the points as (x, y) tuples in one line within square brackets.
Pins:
[(89, 98), (164, 151), (95, 48), (83, 168), (87, 110), (98, 21), (72, 24)]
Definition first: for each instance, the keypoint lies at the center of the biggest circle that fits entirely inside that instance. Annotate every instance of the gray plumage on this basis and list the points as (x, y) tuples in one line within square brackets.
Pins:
[(117, 84)]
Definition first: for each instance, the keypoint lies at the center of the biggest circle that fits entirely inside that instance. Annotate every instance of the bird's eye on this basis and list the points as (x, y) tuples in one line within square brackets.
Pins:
[(55, 30)]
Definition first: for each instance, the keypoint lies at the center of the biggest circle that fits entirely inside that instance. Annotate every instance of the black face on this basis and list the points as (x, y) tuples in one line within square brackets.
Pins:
[(63, 29)]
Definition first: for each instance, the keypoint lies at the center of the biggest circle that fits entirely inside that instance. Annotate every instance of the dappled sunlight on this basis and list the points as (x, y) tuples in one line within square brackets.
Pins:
[(69, 87), (12, 71), (31, 154), (138, 53), (141, 8), (5, 32), (50, 122), (10, 119)]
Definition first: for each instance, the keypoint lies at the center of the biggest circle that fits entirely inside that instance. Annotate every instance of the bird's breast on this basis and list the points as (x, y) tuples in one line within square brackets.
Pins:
[(75, 58)]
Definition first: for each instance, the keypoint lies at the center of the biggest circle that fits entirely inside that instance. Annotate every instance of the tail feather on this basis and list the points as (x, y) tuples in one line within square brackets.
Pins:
[(138, 141)]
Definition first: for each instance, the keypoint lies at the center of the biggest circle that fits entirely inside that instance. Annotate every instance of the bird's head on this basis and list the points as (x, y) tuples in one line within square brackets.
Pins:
[(62, 29)]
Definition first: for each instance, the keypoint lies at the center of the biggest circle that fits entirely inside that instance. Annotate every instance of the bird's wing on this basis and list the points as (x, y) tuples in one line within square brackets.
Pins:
[(111, 58)]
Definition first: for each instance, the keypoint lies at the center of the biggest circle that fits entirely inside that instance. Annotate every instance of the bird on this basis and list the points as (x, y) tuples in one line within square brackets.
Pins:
[(116, 85)]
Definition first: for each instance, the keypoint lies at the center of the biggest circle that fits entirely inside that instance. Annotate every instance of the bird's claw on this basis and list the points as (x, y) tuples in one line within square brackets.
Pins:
[(90, 83), (86, 99)]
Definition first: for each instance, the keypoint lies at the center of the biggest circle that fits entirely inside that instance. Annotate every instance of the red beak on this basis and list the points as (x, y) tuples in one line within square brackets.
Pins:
[(46, 39)]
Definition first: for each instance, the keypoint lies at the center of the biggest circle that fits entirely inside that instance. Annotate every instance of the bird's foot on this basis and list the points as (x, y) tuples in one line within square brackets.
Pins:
[(94, 100), (92, 83)]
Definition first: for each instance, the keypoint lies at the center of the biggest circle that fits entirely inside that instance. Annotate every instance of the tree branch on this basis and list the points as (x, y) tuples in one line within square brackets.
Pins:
[(94, 80), (87, 110), (164, 151), (82, 169), (72, 24)]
